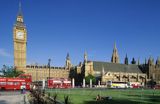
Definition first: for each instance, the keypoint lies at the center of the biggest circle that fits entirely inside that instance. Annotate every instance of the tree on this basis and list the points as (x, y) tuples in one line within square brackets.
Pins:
[(72, 73), (133, 61), (10, 71), (87, 79), (126, 60), (152, 82)]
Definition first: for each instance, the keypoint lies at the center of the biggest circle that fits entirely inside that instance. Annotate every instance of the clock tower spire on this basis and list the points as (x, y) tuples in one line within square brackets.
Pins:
[(20, 16), (19, 40)]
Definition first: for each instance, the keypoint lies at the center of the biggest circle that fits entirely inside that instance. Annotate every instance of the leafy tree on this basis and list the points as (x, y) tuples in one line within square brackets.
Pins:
[(10, 71), (152, 82), (133, 61), (87, 79), (72, 73)]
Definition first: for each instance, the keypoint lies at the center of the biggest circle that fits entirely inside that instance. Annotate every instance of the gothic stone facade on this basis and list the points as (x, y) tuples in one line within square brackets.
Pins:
[(42, 72), (20, 48), (20, 42), (103, 70), (153, 69)]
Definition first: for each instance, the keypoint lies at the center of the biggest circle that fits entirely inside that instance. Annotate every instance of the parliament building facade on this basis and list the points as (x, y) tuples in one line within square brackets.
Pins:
[(103, 71)]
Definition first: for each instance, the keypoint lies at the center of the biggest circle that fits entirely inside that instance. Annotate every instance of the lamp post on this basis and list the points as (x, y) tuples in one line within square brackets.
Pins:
[(36, 74), (49, 62)]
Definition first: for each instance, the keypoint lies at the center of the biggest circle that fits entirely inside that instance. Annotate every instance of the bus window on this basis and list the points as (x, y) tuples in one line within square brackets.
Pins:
[(23, 83), (2, 83), (16, 83), (9, 83)]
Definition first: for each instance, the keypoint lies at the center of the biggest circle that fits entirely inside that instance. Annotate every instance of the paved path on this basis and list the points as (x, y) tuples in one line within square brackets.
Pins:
[(11, 98)]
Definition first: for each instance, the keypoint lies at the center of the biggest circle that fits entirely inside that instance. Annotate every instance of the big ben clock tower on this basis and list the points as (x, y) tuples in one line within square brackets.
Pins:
[(20, 41)]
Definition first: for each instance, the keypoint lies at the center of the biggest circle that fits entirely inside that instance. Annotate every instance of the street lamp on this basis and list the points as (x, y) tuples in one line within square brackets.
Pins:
[(49, 62)]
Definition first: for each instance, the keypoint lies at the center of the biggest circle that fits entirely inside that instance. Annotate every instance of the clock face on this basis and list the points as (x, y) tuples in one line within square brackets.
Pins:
[(19, 35)]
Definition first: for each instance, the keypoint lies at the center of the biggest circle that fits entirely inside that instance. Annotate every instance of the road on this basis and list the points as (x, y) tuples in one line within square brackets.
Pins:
[(11, 97)]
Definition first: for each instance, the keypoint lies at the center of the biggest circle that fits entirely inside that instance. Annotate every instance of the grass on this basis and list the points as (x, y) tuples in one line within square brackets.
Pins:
[(119, 96)]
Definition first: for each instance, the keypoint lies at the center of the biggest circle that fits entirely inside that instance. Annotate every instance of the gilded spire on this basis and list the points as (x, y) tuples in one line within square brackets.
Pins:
[(68, 62), (158, 61), (67, 58), (85, 56), (20, 9), (115, 57), (150, 60), (138, 61), (20, 16), (115, 48), (126, 60)]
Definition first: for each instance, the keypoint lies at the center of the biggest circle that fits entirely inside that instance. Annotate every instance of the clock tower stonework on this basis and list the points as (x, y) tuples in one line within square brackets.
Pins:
[(20, 42)]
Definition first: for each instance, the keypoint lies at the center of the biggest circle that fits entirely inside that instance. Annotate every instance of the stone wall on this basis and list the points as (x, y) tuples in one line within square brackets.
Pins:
[(41, 72), (124, 77)]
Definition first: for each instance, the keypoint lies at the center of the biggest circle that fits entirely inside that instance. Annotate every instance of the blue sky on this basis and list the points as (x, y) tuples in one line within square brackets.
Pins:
[(56, 27)]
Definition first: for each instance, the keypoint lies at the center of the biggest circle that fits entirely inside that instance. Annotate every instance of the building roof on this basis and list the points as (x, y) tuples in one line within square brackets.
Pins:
[(115, 67)]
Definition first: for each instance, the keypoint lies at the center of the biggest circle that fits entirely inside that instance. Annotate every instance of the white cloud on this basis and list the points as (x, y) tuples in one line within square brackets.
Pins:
[(4, 53)]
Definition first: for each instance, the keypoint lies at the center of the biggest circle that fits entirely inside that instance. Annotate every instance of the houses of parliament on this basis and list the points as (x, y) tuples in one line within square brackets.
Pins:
[(103, 71)]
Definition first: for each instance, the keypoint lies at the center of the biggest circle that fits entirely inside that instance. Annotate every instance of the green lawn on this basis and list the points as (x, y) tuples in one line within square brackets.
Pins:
[(119, 96)]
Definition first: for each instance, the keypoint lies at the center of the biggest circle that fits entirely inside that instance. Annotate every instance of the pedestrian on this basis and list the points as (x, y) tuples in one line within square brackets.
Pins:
[(21, 89), (98, 97), (24, 91)]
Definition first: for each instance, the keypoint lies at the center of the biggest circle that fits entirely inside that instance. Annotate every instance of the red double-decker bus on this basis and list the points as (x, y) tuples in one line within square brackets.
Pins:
[(21, 82), (59, 83)]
